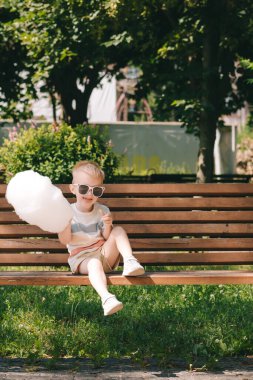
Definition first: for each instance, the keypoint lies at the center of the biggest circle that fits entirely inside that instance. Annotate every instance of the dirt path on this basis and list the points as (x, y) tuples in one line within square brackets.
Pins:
[(76, 369)]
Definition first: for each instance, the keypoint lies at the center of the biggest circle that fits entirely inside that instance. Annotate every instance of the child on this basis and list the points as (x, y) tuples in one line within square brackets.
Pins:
[(93, 243)]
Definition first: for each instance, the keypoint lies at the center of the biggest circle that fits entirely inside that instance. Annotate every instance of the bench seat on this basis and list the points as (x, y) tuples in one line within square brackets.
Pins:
[(197, 277)]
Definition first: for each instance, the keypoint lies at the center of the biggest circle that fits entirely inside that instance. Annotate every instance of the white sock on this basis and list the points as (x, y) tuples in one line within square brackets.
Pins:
[(104, 298), (129, 258)]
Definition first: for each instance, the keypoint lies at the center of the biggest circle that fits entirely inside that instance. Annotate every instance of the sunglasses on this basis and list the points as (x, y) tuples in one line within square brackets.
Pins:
[(97, 191)]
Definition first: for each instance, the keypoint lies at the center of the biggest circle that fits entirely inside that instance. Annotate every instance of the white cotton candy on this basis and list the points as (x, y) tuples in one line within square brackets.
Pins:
[(37, 201)]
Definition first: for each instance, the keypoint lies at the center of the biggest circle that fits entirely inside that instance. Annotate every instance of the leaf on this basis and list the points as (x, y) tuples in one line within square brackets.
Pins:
[(117, 39)]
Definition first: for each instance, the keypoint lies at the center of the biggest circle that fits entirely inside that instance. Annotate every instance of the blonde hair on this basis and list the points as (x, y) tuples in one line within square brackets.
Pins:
[(89, 167)]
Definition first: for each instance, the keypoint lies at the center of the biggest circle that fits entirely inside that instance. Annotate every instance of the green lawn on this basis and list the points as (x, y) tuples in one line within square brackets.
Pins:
[(162, 322)]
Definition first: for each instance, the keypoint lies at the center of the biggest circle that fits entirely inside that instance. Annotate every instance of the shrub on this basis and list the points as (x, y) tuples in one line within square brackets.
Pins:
[(52, 151)]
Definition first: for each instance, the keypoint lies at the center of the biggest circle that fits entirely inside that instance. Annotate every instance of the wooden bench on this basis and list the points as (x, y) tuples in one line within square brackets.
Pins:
[(198, 225)]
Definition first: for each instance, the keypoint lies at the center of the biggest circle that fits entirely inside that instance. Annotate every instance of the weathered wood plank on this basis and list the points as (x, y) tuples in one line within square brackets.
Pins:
[(164, 189), (169, 203), (199, 229), (43, 278), (150, 244), (182, 216), (44, 259), (180, 203), (179, 189), (9, 217), (146, 258)]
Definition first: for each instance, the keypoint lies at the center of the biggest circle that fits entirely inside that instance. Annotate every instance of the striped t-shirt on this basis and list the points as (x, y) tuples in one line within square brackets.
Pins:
[(86, 229)]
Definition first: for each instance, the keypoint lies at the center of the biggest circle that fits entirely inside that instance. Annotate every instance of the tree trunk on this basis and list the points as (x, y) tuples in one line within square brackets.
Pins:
[(205, 168), (210, 96), (74, 101), (53, 101)]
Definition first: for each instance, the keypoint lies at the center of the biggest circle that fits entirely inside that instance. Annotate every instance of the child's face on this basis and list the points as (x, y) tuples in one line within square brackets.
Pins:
[(85, 202)]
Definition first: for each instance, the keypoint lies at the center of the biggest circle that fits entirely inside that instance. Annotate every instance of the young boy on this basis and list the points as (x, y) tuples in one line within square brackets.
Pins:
[(93, 243)]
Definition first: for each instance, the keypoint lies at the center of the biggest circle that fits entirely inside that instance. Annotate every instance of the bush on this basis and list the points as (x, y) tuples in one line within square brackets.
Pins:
[(52, 151)]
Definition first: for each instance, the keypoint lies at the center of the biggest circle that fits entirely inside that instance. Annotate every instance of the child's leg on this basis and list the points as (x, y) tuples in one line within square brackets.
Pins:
[(118, 242), (94, 268)]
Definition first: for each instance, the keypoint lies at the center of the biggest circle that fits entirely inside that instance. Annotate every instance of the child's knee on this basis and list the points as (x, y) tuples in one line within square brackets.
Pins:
[(94, 264), (118, 231)]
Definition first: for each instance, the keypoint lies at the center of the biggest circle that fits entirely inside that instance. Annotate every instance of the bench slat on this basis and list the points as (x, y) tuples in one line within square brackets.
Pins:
[(181, 188), (10, 231), (182, 216), (53, 245), (192, 244), (152, 278), (19, 245), (45, 259), (190, 229), (180, 203), (151, 258), (10, 217), (23, 230), (169, 203)]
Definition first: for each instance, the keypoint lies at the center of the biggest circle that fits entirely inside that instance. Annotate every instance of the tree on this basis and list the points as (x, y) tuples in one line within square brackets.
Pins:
[(66, 44), (189, 56)]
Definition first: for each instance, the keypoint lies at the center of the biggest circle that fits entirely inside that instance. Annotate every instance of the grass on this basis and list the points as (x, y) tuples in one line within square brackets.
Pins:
[(163, 322)]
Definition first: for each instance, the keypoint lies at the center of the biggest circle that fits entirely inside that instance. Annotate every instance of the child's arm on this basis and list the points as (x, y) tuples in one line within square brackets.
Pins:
[(65, 235), (107, 219)]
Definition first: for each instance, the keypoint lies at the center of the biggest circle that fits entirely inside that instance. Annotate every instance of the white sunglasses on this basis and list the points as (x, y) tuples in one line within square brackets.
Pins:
[(97, 191)]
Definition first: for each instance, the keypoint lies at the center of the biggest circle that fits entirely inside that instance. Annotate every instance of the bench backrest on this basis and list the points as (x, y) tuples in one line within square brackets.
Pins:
[(168, 224)]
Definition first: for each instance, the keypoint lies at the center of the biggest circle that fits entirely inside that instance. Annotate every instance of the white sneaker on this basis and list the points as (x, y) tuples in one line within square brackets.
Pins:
[(132, 268), (111, 305)]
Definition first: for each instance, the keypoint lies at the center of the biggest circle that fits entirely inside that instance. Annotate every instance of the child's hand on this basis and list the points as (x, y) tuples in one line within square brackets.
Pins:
[(107, 220)]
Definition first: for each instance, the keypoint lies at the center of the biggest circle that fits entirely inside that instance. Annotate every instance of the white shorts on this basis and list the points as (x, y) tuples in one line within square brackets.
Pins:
[(76, 260)]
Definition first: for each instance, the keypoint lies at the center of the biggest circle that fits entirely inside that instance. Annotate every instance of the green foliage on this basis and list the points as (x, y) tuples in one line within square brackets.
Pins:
[(52, 151), (246, 132), (175, 62), (71, 45), (246, 78)]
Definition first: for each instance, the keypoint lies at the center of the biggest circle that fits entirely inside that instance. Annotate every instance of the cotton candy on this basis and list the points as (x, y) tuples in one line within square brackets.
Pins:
[(37, 201)]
